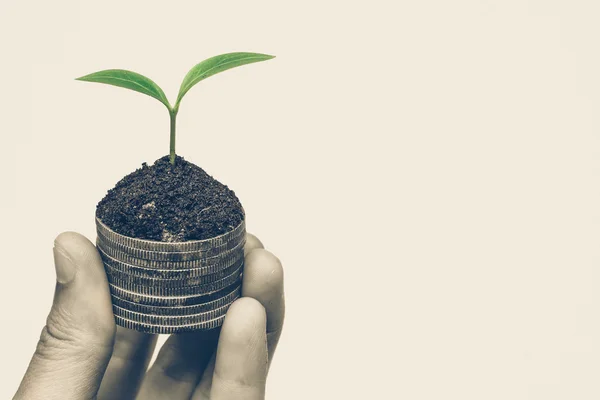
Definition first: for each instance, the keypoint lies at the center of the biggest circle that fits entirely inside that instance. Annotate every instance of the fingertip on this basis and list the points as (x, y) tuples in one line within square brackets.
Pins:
[(263, 271), (264, 257), (252, 243), (247, 314), (69, 238), (77, 246)]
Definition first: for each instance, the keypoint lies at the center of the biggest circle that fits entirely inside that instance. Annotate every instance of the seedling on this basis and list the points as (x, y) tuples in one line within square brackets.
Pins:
[(139, 83)]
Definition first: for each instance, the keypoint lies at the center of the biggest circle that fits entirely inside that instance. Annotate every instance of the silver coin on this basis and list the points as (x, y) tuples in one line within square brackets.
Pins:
[(170, 320), (177, 291), (178, 310), (148, 328), (151, 245), (168, 273), (172, 301), (215, 262), (124, 262), (173, 256), (181, 281)]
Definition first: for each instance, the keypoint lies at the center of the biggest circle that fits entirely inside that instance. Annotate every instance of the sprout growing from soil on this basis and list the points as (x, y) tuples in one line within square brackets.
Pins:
[(139, 83)]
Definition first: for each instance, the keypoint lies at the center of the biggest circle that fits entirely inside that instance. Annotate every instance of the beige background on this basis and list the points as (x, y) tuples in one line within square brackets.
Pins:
[(426, 170)]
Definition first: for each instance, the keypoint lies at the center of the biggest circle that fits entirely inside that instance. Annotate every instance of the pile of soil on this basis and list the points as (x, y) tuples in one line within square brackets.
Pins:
[(170, 203)]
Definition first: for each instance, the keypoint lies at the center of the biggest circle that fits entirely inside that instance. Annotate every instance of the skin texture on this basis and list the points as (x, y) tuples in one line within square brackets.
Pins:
[(83, 355)]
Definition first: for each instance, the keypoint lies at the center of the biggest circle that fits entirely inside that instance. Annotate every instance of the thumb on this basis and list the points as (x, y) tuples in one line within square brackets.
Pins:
[(76, 343)]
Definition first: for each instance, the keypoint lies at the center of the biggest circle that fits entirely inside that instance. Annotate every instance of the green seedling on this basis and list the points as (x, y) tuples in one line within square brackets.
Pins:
[(139, 83)]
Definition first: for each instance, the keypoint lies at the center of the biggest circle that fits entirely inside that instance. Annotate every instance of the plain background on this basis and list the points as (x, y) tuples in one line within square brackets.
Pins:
[(427, 172)]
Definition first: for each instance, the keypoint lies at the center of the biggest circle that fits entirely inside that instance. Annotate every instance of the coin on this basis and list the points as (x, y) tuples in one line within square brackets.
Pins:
[(177, 291), (168, 273), (180, 281), (178, 310), (150, 245), (148, 328), (170, 320), (215, 262), (172, 301), (232, 245)]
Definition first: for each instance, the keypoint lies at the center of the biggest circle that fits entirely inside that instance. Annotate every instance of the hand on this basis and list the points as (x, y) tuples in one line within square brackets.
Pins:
[(81, 354)]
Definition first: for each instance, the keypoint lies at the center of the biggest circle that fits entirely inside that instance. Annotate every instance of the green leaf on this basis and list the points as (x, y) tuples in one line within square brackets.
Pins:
[(129, 80), (214, 65)]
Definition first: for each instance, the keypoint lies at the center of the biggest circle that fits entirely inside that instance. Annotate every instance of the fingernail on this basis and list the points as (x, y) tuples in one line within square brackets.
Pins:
[(65, 267)]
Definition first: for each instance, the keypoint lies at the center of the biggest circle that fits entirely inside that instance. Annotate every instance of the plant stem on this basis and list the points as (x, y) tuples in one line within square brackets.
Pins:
[(173, 115)]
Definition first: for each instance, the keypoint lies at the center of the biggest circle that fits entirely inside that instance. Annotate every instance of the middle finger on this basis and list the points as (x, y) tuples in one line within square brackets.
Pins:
[(179, 366), (131, 354)]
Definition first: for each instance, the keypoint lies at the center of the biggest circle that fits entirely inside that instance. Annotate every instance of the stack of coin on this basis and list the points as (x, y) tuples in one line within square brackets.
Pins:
[(170, 287)]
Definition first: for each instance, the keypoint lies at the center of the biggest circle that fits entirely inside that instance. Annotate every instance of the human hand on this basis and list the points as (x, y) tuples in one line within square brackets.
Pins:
[(83, 355)]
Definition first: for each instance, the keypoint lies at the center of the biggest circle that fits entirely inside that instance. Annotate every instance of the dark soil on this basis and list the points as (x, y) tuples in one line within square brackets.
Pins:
[(170, 203)]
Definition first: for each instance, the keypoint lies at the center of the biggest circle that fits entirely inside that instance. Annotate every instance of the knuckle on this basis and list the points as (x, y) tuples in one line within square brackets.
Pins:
[(50, 346), (56, 337), (240, 386), (60, 338)]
